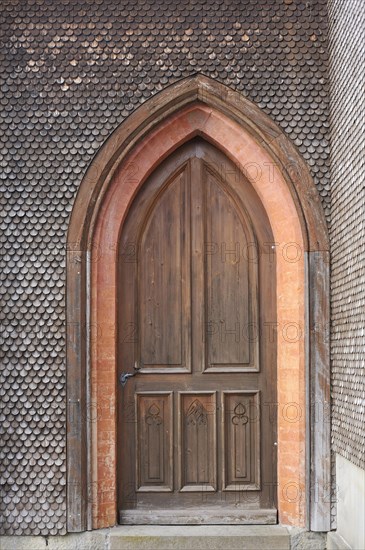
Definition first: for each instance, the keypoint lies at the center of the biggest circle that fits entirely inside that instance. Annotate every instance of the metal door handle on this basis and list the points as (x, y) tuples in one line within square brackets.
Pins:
[(123, 378)]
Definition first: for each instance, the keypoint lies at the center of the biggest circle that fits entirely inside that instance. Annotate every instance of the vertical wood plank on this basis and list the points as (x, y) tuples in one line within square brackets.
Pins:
[(319, 319), (227, 280), (198, 320), (161, 282), (77, 478)]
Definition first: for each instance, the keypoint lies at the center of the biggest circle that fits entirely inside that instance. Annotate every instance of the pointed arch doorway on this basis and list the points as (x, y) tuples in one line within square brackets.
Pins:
[(286, 196), (196, 276)]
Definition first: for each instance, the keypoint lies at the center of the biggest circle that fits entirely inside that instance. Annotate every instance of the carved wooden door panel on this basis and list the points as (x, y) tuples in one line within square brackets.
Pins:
[(196, 288)]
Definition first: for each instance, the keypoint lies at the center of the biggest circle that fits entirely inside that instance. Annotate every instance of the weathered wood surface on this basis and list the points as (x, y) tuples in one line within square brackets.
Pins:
[(217, 431), (77, 463), (319, 380), (199, 517)]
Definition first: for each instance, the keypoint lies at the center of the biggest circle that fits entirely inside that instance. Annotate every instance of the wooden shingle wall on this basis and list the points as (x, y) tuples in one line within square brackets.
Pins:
[(347, 54)]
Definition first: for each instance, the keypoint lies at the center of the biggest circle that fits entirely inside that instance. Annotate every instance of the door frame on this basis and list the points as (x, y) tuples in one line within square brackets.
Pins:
[(194, 106)]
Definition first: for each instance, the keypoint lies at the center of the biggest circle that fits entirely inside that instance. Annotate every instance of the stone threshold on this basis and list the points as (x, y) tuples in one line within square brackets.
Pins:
[(175, 537), (199, 537)]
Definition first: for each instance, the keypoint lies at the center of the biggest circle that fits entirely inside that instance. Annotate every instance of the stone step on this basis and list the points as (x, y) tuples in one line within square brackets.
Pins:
[(199, 537)]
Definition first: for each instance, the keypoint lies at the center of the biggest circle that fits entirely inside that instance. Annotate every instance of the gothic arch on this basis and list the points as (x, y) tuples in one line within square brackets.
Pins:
[(196, 106)]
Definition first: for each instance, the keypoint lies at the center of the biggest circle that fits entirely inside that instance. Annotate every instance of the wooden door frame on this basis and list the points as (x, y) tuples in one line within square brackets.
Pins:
[(195, 106)]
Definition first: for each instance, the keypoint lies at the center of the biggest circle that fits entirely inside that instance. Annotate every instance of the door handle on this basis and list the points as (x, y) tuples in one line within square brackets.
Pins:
[(123, 378)]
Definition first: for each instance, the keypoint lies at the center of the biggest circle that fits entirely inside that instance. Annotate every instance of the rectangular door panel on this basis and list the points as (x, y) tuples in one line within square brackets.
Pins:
[(241, 440), (197, 441), (154, 441)]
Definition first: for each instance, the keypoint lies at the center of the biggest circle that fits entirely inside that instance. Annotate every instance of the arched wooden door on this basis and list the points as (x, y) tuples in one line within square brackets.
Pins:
[(196, 325)]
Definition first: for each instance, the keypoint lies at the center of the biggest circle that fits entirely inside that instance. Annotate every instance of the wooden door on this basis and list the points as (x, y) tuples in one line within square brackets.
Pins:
[(196, 312)]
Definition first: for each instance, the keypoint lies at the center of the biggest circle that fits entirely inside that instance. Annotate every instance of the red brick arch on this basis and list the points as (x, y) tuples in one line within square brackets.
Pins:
[(281, 180)]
